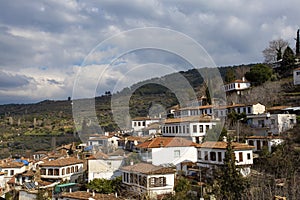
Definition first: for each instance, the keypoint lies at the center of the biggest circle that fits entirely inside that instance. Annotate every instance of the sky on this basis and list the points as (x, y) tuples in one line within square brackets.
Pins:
[(51, 48)]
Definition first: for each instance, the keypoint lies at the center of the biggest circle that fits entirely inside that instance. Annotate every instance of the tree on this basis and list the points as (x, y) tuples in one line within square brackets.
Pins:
[(274, 51), (297, 44), (104, 186), (230, 75), (230, 181), (259, 74), (288, 58)]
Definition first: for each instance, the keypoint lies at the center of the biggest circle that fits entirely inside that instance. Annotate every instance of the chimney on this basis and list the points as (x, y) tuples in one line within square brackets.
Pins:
[(88, 190), (243, 79), (93, 193), (131, 162), (70, 190), (224, 139)]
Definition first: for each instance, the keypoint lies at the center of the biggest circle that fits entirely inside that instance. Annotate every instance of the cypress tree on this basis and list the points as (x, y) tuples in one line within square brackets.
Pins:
[(298, 44), (232, 184)]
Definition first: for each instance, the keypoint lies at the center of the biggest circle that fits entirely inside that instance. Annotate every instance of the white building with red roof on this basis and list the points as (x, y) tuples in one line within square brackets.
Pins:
[(62, 169), (146, 179), (237, 86), (193, 127), (139, 123), (168, 151), (212, 154)]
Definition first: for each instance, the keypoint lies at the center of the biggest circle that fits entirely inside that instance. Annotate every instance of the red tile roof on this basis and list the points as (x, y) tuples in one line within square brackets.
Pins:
[(223, 145), (82, 195), (61, 162), (264, 137), (146, 168), (189, 119), (166, 142), (11, 164)]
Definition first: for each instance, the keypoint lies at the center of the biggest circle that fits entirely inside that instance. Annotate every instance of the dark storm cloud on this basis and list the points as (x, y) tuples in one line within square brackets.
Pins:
[(9, 81)]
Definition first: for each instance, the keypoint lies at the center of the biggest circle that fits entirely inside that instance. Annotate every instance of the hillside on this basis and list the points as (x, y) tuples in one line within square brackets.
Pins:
[(19, 123)]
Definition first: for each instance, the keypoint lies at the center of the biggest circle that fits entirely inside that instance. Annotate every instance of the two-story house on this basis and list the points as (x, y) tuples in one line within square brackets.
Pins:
[(168, 151), (106, 166), (139, 123), (261, 142), (212, 154), (145, 179), (193, 127), (271, 124), (237, 86), (70, 169)]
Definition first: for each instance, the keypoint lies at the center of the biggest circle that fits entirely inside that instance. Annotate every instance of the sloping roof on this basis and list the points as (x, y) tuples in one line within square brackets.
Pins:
[(146, 168), (82, 195), (98, 155), (223, 145), (189, 119), (264, 137), (144, 118), (297, 69), (277, 108), (61, 162), (11, 164), (166, 142)]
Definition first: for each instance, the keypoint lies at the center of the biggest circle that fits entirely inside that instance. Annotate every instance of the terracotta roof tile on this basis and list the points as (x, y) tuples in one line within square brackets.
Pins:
[(277, 108), (264, 137), (146, 168), (11, 164), (61, 162), (82, 195), (166, 142), (223, 145), (190, 119)]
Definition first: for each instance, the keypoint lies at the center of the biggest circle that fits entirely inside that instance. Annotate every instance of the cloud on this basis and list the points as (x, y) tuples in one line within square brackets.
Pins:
[(58, 35), (10, 81)]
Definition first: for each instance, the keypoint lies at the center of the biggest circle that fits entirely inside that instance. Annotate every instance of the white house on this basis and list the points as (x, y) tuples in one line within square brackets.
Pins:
[(168, 151), (212, 154), (10, 168), (105, 166), (70, 169), (193, 127), (237, 86), (147, 179), (274, 124), (296, 76), (139, 123), (106, 141), (260, 142), (220, 111)]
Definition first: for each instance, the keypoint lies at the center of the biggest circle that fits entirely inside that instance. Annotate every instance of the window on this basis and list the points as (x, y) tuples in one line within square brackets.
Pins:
[(12, 172), (176, 153), (176, 129), (157, 182), (251, 142), (183, 129), (199, 155), (139, 123), (56, 172), (173, 129), (206, 127), (297, 73), (248, 156), (220, 156), (261, 123), (43, 171), (63, 171), (205, 155), (272, 121), (201, 128), (134, 124), (187, 129), (68, 170), (213, 156), (240, 156), (239, 85), (144, 123), (50, 172), (179, 129), (76, 169), (194, 128), (265, 143), (249, 110)]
